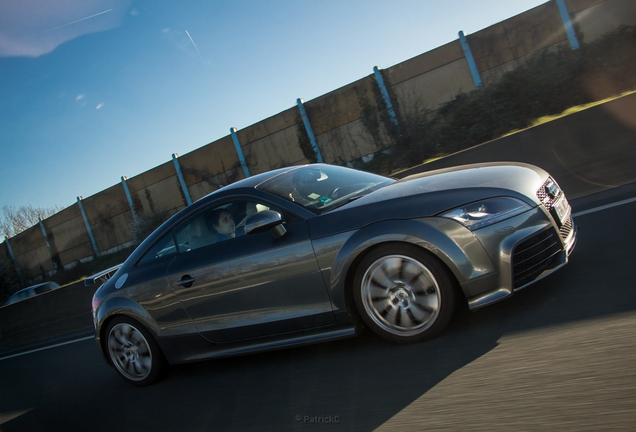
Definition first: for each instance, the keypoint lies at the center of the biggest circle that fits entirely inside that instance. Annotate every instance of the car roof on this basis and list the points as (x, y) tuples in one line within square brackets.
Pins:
[(32, 287)]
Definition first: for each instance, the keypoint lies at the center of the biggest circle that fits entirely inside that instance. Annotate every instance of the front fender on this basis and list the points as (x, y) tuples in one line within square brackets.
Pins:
[(456, 246)]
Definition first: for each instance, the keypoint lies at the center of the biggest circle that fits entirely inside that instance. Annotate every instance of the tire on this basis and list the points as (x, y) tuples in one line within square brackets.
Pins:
[(403, 293), (133, 351)]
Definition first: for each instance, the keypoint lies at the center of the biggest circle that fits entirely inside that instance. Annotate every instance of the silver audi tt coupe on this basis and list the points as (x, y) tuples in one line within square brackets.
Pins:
[(313, 253)]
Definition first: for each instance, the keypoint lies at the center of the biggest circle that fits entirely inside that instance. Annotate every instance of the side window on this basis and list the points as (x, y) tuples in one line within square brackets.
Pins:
[(216, 223), (164, 247), (197, 231)]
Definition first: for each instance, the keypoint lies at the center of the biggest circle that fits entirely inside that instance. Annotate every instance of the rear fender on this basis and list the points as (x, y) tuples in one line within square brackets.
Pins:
[(119, 305)]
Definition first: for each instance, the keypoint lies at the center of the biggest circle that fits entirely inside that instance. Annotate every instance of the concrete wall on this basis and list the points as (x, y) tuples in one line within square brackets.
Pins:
[(337, 119), (157, 191), (4, 253), (68, 236), (32, 255), (273, 142), (427, 81), (110, 217), (594, 18), (350, 123), (210, 166), (502, 47)]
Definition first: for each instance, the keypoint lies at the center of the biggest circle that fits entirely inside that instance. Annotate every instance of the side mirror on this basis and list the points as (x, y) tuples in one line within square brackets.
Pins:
[(264, 221)]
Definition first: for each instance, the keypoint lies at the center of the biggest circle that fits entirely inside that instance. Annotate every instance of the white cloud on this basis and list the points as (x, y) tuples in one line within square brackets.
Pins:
[(37, 27), (79, 97), (100, 105)]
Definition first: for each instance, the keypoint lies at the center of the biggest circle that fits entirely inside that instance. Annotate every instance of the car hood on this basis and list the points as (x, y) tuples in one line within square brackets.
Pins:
[(433, 192)]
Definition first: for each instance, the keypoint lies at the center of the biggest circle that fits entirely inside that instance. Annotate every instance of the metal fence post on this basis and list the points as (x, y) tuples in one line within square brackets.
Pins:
[(48, 245), (310, 131), (567, 23), (175, 160), (129, 198), (468, 54), (239, 151), (88, 226), (385, 95), (15, 263)]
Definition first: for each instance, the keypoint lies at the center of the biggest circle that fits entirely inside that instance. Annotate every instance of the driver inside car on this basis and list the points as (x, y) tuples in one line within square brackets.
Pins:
[(223, 223)]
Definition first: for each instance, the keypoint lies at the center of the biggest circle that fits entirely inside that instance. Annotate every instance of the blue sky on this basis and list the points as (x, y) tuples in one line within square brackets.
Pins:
[(92, 90)]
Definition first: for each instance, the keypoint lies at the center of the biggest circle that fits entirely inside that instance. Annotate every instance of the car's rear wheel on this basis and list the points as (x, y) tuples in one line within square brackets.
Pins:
[(403, 293), (133, 351)]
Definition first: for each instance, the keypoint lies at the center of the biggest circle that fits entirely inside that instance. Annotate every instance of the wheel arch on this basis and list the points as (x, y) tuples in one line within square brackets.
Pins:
[(447, 241), (355, 265)]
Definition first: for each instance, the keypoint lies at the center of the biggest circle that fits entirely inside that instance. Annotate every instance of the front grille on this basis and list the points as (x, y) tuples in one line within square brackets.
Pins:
[(544, 197), (548, 200), (533, 255), (566, 228)]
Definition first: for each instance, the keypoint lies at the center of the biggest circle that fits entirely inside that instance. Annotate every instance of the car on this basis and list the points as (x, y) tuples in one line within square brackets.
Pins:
[(317, 252), (31, 291)]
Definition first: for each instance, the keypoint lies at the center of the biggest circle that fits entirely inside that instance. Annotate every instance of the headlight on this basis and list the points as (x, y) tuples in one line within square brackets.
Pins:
[(482, 213)]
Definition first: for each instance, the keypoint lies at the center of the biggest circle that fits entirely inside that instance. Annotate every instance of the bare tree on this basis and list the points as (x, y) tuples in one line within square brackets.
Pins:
[(15, 220)]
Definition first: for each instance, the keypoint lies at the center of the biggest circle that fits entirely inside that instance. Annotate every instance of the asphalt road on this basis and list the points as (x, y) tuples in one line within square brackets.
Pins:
[(560, 355)]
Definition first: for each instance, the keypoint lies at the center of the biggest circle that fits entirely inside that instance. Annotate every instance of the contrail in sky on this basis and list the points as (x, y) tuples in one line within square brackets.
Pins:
[(195, 47), (76, 21)]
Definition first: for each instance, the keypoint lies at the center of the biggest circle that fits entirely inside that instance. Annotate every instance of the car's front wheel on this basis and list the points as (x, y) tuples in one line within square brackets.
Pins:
[(404, 293), (133, 351)]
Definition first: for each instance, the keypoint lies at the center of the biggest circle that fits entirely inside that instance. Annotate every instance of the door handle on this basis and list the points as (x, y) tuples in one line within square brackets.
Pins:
[(186, 281)]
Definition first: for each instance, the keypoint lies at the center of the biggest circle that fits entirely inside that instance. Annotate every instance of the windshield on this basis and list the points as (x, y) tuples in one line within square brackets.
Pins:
[(320, 188)]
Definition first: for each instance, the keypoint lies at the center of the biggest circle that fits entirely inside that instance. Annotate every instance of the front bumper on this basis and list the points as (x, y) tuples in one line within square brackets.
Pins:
[(524, 249)]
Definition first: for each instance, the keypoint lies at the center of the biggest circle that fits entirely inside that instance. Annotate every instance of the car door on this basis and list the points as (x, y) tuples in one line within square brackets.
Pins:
[(251, 285)]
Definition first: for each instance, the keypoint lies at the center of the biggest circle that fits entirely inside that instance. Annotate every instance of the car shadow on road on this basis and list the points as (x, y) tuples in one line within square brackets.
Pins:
[(355, 384)]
